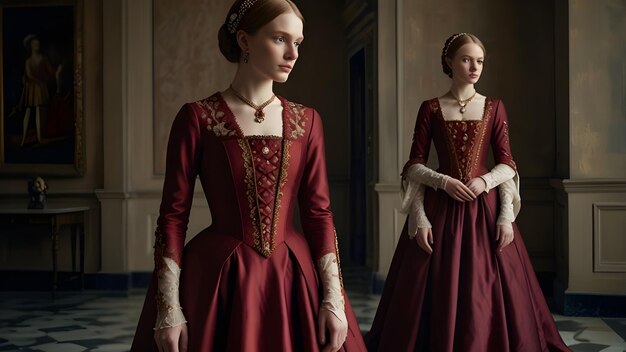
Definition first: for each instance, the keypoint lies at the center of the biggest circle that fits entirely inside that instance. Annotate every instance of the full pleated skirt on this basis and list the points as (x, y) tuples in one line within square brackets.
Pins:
[(467, 296), (234, 299)]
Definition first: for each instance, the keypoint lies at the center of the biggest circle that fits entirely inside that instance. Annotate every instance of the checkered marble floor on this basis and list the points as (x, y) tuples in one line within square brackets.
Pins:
[(90, 321)]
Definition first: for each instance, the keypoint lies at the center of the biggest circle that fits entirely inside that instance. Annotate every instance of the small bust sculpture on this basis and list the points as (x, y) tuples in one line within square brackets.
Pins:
[(37, 189)]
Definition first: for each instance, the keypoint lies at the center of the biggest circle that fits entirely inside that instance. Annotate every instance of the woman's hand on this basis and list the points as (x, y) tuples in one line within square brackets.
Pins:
[(458, 191), (172, 339), (477, 185), (504, 235), (337, 329), (424, 239)]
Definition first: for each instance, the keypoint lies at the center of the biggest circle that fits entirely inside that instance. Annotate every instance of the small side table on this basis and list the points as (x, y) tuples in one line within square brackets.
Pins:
[(56, 218)]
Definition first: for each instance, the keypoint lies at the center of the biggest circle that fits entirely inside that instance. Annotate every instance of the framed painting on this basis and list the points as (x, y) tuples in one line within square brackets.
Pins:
[(41, 91)]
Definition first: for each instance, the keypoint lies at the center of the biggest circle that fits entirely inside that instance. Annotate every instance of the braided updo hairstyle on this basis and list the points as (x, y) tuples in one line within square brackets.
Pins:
[(260, 13), (453, 43)]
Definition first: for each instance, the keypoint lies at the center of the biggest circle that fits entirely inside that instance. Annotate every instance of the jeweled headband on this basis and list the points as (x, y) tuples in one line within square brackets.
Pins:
[(445, 50), (235, 17)]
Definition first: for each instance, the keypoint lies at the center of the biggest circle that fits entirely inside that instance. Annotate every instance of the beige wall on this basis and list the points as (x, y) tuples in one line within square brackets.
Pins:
[(188, 65), (593, 254), (597, 89), (34, 252)]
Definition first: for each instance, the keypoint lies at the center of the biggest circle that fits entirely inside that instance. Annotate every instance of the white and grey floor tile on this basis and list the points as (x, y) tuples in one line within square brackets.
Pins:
[(106, 323)]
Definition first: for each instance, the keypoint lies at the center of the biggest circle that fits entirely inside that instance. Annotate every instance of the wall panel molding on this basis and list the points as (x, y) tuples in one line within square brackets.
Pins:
[(597, 185), (609, 240)]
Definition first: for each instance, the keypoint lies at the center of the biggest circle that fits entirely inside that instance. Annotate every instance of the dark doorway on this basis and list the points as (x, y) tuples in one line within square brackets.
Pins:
[(361, 156)]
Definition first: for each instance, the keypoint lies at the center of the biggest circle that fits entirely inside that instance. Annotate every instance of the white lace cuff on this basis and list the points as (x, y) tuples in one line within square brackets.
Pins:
[(500, 173), (416, 214), (333, 295), (510, 200), (169, 311), (420, 173)]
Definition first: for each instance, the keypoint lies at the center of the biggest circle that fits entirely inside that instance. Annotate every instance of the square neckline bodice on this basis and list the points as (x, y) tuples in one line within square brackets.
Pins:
[(231, 115), (440, 110)]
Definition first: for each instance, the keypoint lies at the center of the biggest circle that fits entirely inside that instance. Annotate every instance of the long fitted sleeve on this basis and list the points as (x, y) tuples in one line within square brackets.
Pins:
[(416, 175), (500, 143), (422, 136), (314, 196), (317, 220), (180, 177), (510, 200)]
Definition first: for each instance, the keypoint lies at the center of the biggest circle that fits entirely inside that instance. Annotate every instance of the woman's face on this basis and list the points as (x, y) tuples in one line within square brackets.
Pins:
[(467, 64), (34, 45), (274, 48)]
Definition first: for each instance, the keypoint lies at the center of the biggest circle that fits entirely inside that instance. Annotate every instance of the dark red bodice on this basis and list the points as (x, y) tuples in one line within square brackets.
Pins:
[(462, 146), (250, 182)]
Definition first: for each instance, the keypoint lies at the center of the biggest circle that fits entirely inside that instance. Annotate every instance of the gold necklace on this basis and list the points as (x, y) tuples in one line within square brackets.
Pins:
[(463, 103), (259, 115)]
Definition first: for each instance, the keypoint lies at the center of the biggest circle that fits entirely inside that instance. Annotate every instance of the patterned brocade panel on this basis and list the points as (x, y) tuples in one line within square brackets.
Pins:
[(462, 140), (266, 156)]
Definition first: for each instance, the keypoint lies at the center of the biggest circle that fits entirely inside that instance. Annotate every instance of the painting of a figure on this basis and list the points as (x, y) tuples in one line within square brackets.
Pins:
[(39, 95)]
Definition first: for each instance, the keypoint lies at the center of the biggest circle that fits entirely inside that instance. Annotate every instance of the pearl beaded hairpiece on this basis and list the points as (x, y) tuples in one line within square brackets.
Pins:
[(445, 50), (235, 17)]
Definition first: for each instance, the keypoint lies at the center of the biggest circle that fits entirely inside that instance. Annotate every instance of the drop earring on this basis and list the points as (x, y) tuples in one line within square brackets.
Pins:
[(246, 55)]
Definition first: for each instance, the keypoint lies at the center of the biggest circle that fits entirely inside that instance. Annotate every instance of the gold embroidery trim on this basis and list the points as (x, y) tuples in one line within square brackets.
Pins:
[(159, 265), (251, 194), (266, 137), (508, 143), (215, 117), (454, 162), (481, 134), (284, 165), (466, 165), (298, 122), (337, 254), (266, 249)]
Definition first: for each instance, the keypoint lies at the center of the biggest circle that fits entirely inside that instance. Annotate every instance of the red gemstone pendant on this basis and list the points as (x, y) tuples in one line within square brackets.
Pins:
[(259, 116)]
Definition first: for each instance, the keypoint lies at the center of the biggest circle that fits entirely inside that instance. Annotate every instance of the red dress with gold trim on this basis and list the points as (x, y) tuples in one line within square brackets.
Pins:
[(248, 282), (465, 296)]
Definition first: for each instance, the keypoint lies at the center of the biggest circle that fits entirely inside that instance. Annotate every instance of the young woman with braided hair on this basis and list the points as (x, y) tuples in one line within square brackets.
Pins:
[(461, 278), (251, 281)]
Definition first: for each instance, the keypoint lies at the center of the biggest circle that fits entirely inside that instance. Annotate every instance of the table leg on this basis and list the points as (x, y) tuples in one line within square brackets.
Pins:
[(82, 255), (55, 250), (73, 229)]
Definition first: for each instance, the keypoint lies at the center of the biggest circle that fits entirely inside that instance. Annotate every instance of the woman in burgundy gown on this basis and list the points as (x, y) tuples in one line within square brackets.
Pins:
[(250, 281), (461, 278)]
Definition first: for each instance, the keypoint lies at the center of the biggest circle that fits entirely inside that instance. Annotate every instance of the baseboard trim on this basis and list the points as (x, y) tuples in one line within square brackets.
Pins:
[(594, 305), (42, 281), (569, 304)]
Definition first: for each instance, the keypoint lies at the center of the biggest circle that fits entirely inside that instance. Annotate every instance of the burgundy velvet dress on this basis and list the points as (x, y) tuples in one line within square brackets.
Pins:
[(466, 296), (249, 281)]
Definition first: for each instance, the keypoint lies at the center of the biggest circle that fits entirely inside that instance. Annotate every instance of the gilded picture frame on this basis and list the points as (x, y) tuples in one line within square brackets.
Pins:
[(41, 88)]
